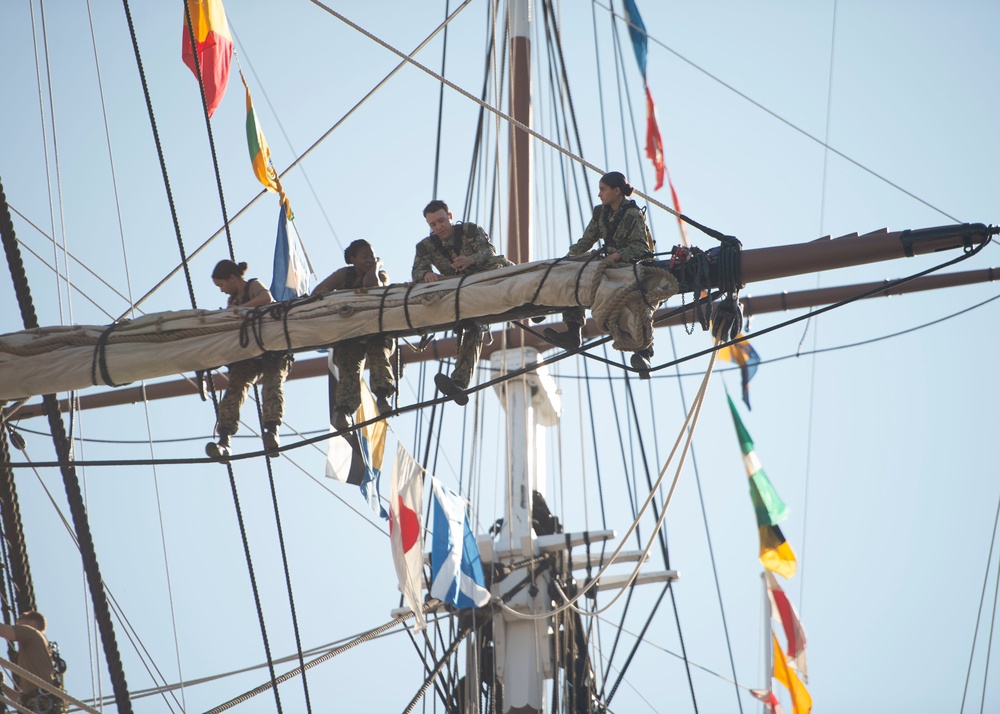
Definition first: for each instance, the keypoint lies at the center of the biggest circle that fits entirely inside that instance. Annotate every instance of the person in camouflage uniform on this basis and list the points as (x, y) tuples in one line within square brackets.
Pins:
[(456, 249), (364, 270), (270, 369), (621, 224)]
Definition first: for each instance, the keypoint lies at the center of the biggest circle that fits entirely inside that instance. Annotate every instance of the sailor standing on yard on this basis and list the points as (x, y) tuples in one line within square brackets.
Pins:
[(270, 369), (621, 224), (456, 249), (35, 655), (364, 271)]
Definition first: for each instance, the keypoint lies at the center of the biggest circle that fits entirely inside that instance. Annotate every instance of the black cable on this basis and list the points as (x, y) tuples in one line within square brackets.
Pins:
[(284, 558), (159, 150), (71, 483), (437, 150), (208, 127)]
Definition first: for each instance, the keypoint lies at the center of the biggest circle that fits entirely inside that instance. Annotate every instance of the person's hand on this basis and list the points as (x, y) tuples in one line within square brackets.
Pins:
[(462, 262), (430, 277), (612, 258)]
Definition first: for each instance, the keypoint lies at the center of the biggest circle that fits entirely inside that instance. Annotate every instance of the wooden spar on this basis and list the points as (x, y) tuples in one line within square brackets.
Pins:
[(77, 357), (444, 348)]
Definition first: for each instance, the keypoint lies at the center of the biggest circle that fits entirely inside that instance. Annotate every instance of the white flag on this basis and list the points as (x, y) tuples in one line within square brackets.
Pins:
[(406, 531)]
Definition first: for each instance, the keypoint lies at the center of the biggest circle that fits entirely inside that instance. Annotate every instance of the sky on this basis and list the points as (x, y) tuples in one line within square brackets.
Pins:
[(782, 122)]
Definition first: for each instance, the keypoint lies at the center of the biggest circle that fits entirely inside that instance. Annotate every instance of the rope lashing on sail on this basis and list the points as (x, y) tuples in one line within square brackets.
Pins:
[(100, 359), (627, 312), (687, 429)]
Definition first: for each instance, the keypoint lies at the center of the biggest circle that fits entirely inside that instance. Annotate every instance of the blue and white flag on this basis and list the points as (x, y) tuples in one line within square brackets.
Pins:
[(456, 571), (289, 279)]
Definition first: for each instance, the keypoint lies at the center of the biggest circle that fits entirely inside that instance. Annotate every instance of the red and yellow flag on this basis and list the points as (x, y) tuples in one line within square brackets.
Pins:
[(214, 45)]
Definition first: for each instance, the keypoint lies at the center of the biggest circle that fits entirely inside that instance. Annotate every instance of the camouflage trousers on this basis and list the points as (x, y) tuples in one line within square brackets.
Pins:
[(270, 370), (42, 702), (469, 348), (350, 357), (575, 316)]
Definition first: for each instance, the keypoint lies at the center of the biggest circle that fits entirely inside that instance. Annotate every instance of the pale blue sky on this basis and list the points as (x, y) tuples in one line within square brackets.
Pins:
[(883, 452)]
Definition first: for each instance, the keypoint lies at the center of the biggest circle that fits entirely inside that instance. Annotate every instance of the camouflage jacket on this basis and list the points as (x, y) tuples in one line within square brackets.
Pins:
[(432, 252), (624, 231)]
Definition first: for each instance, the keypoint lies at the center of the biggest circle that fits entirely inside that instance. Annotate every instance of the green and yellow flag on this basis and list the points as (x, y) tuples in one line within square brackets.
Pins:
[(775, 553), (260, 152)]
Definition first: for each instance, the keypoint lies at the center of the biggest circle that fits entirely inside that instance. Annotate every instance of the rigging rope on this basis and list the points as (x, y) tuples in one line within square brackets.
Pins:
[(687, 427), (16, 562), (783, 120), (70, 481), (284, 559), (159, 153)]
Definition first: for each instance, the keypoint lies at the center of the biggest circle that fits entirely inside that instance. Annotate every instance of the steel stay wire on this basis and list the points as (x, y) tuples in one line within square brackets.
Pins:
[(688, 428), (780, 118), (145, 656), (295, 162), (979, 613)]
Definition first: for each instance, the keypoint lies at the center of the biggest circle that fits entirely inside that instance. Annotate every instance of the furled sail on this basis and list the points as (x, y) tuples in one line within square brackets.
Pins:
[(56, 359)]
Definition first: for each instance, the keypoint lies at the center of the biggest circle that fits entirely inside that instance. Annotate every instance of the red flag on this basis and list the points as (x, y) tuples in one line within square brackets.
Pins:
[(214, 44), (783, 611), (771, 703), (654, 144)]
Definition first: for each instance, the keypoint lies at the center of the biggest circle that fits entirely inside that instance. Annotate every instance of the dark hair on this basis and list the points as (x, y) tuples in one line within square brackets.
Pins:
[(616, 179), (354, 247), (227, 269), (37, 619), (435, 206)]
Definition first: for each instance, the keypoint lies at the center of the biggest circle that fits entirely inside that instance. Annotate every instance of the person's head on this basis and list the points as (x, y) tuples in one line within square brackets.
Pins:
[(361, 255), (228, 276), (613, 189), (438, 218), (32, 618)]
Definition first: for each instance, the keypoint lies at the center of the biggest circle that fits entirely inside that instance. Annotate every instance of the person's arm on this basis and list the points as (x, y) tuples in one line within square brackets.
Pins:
[(590, 236), (259, 295), (423, 268), (479, 247), (334, 281), (375, 276), (8, 633)]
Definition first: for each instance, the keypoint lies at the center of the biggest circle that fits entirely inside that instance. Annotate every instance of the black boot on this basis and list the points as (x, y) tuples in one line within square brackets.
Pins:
[(571, 339), (446, 385), (270, 436), (343, 420), (640, 362), (219, 451), (382, 403)]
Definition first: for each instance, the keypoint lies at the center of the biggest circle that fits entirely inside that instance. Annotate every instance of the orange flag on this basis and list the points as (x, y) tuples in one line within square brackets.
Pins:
[(801, 701)]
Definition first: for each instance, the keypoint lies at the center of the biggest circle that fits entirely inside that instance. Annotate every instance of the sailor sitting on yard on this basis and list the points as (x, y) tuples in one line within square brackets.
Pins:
[(621, 224), (35, 655), (270, 369), (364, 271), (456, 249)]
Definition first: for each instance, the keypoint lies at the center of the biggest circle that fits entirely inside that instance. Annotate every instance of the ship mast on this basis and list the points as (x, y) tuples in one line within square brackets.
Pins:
[(521, 645)]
